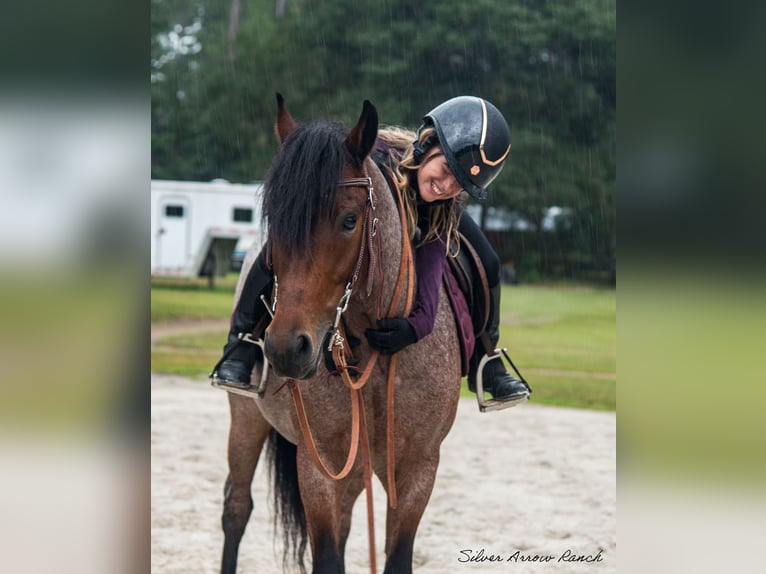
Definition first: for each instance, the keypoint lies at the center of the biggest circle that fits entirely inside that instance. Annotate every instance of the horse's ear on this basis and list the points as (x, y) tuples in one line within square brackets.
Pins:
[(362, 137), (285, 122)]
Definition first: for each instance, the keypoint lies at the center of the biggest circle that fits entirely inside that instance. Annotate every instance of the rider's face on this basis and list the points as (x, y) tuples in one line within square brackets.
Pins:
[(435, 180)]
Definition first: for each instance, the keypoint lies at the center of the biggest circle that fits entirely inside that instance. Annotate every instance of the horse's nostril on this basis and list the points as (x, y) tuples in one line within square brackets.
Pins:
[(291, 353), (303, 345)]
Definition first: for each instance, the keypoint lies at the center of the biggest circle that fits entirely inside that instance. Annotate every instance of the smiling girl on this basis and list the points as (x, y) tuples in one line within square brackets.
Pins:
[(460, 148)]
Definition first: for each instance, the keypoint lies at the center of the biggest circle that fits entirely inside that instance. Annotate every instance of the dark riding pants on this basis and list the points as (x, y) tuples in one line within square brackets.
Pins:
[(471, 230)]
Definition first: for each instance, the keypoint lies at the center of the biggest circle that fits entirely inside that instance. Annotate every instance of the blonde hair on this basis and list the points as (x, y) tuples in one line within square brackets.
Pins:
[(444, 217)]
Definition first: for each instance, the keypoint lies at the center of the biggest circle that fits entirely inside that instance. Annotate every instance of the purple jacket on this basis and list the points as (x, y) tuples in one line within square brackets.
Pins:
[(431, 267), (430, 259)]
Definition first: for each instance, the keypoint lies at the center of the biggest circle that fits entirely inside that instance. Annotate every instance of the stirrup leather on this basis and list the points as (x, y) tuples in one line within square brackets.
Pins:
[(250, 391), (487, 405)]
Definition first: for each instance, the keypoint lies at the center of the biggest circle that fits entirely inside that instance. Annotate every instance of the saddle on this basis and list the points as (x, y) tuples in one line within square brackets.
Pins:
[(468, 290)]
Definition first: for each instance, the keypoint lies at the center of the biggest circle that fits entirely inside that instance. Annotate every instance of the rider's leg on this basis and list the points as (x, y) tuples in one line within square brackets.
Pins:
[(495, 378), (240, 356)]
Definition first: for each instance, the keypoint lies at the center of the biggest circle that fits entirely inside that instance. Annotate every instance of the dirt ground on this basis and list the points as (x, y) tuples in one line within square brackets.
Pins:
[(529, 482)]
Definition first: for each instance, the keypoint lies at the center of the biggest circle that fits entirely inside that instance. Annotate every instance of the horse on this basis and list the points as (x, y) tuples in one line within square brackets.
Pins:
[(334, 221)]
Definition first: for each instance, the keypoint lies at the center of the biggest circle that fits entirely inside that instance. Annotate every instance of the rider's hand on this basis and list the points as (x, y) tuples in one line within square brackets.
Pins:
[(391, 336)]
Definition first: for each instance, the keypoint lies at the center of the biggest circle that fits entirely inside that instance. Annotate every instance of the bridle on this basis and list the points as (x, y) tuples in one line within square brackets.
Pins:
[(369, 232)]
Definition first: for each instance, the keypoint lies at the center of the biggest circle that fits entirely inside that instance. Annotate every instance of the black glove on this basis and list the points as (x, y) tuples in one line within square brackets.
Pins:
[(392, 336)]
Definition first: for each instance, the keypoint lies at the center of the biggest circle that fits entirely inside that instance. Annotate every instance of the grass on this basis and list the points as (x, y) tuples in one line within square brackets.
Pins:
[(174, 299), (192, 355), (561, 338)]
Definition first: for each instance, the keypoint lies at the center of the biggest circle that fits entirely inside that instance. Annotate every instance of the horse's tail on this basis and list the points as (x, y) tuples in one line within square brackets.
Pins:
[(288, 506)]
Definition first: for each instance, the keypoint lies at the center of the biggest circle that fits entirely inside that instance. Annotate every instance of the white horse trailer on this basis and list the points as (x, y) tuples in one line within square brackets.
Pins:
[(196, 226)]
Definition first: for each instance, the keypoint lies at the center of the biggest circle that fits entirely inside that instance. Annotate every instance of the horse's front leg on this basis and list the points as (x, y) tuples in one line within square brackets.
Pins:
[(324, 510), (414, 483), (247, 432), (355, 487)]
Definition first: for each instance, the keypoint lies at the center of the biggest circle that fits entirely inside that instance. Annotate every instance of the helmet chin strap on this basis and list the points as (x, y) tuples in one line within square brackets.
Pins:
[(418, 149)]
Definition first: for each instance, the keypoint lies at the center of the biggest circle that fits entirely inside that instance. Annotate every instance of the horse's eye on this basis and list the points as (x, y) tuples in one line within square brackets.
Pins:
[(349, 222)]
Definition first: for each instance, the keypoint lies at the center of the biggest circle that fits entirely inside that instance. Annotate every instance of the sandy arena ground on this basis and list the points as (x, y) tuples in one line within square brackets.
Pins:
[(523, 482)]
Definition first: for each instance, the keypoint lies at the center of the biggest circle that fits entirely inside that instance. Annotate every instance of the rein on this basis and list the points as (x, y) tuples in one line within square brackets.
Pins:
[(339, 350)]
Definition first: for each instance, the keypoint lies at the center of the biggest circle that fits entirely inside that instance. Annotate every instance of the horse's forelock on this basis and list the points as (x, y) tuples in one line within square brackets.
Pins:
[(300, 185)]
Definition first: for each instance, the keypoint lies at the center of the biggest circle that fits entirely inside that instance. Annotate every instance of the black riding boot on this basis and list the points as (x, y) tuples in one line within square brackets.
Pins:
[(239, 356), (495, 377)]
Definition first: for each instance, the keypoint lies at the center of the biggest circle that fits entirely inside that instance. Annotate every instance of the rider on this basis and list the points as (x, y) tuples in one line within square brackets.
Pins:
[(462, 145)]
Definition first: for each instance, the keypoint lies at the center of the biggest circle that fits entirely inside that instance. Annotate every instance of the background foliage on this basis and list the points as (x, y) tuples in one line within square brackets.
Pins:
[(549, 65)]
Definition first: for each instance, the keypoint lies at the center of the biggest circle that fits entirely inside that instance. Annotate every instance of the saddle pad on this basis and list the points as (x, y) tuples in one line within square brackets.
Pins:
[(469, 272), (462, 318)]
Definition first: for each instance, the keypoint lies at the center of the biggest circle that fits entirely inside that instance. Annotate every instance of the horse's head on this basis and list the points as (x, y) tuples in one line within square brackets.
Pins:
[(316, 225)]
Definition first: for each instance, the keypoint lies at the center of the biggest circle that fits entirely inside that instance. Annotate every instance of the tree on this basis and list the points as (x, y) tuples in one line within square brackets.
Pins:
[(549, 66)]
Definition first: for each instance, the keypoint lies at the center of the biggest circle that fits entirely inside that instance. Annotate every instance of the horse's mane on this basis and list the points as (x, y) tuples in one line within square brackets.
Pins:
[(300, 185)]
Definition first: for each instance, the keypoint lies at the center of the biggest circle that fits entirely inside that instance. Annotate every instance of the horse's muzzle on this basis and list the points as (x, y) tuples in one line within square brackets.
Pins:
[(292, 355)]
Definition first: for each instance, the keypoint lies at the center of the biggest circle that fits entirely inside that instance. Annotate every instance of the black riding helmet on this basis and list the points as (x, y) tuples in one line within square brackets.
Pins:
[(475, 139)]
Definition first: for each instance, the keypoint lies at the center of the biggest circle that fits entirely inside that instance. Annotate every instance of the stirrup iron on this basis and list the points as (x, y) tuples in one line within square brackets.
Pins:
[(255, 392), (487, 405)]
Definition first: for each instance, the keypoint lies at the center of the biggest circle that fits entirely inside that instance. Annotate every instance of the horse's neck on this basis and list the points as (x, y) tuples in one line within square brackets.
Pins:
[(389, 249)]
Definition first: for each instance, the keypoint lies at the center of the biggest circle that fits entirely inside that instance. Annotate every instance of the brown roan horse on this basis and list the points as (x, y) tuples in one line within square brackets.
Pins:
[(336, 241)]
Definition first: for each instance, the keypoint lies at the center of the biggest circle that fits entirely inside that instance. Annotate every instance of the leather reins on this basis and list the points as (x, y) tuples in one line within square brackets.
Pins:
[(340, 351)]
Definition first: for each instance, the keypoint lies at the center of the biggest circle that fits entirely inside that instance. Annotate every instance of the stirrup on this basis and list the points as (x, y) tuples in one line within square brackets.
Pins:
[(250, 391), (487, 405)]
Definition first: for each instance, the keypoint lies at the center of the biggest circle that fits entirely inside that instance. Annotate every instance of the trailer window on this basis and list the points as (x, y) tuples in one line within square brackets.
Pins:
[(243, 215), (174, 211)]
